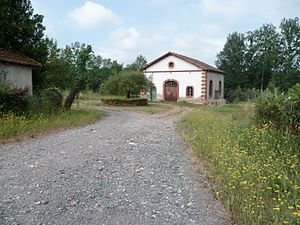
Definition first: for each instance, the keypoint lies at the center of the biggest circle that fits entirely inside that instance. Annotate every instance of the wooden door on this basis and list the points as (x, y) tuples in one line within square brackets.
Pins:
[(171, 91)]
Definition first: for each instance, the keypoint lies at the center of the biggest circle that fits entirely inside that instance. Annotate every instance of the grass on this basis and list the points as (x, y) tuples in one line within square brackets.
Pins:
[(90, 100), (255, 171), (18, 127)]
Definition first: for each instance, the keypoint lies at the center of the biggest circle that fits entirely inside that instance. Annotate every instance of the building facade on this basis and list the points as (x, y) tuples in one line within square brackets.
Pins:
[(177, 77)]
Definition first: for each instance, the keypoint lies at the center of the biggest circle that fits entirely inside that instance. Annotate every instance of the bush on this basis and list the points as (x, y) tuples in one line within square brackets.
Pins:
[(242, 95), (14, 100), (284, 81), (281, 110), (125, 102), (48, 101), (128, 83)]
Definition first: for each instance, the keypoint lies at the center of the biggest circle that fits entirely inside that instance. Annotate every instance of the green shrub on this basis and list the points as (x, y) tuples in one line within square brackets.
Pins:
[(242, 95), (48, 101), (115, 101), (14, 100), (127, 83), (281, 110), (286, 80)]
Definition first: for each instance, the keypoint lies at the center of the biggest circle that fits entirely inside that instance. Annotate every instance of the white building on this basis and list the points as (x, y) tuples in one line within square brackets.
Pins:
[(16, 69), (177, 77)]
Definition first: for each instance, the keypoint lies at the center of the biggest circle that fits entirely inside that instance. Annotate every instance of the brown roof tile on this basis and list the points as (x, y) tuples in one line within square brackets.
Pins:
[(14, 57), (193, 61)]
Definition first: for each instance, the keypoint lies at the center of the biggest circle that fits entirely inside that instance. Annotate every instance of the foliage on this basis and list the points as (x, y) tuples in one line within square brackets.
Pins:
[(13, 100), (242, 95), (290, 45), (231, 60), (127, 83), (47, 102), (80, 55), (280, 110), (121, 101), (262, 55), (15, 126), (57, 71), (285, 80), (255, 171), (21, 29), (253, 59), (138, 63)]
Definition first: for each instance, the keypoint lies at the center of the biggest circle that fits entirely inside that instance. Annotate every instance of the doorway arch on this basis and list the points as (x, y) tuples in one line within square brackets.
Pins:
[(171, 90)]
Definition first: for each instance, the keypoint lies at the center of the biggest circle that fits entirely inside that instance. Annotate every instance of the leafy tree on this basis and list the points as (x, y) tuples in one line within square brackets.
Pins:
[(138, 63), (285, 80), (57, 70), (21, 29), (289, 45), (232, 60), (79, 55), (262, 55), (126, 83)]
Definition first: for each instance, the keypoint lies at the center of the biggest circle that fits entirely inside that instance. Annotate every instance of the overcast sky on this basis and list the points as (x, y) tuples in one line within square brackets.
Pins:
[(122, 29)]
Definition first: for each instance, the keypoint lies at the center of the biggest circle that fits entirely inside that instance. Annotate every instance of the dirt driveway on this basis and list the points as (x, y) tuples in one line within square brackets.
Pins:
[(130, 168)]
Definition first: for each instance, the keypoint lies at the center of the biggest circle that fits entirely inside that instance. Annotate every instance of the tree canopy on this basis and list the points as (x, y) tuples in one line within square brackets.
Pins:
[(22, 30), (259, 57)]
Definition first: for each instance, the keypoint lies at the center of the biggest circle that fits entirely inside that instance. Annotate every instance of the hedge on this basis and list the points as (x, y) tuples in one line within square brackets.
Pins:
[(125, 101)]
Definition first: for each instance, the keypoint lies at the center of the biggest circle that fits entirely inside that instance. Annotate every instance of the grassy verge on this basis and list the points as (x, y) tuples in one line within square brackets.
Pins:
[(255, 171), (17, 127), (90, 100)]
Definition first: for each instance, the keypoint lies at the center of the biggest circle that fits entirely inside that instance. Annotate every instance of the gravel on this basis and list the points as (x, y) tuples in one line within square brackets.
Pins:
[(129, 168)]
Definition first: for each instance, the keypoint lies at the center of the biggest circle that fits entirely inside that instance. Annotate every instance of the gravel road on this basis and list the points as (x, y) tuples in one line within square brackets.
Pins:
[(129, 168)]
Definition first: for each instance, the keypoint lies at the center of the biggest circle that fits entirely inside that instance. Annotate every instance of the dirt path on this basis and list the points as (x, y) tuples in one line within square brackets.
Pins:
[(130, 168)]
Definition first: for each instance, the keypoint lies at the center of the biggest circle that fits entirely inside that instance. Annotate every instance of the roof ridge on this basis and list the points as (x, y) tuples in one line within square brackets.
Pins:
[(12, 56), (191, 60)]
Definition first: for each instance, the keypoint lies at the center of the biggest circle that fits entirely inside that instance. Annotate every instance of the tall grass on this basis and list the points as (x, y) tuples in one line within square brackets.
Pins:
[(12, 126), (255, 171)]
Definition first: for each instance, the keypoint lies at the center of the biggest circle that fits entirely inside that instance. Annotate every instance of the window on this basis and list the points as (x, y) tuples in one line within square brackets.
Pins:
[(189, 91), (171, 65), (210, 90), (220, 88)]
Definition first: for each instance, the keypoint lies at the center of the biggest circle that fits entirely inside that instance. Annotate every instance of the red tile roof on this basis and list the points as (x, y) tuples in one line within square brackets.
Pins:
[(14, 57), (195, 62)]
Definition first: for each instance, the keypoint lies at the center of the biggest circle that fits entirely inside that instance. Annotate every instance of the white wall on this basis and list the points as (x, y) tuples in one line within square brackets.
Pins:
[(184, 79), (19, 76), (215, 77), (185, 73), (180, 64)]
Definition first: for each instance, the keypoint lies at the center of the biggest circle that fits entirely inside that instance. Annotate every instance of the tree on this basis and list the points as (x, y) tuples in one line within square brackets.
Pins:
[(262, 55), (232, 60), (287, 73), (21, 29), (138, 63), (289, 45), (79, 54), (57, 70)]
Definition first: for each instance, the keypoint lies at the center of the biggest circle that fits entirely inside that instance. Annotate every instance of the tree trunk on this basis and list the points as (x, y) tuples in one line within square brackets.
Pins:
[(72, 94)]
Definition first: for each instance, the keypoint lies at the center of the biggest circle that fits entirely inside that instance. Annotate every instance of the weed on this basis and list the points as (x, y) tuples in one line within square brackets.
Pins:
[(255, 171)]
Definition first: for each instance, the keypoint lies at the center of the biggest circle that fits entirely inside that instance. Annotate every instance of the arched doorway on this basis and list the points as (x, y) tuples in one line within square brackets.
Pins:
[(171, 90)]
